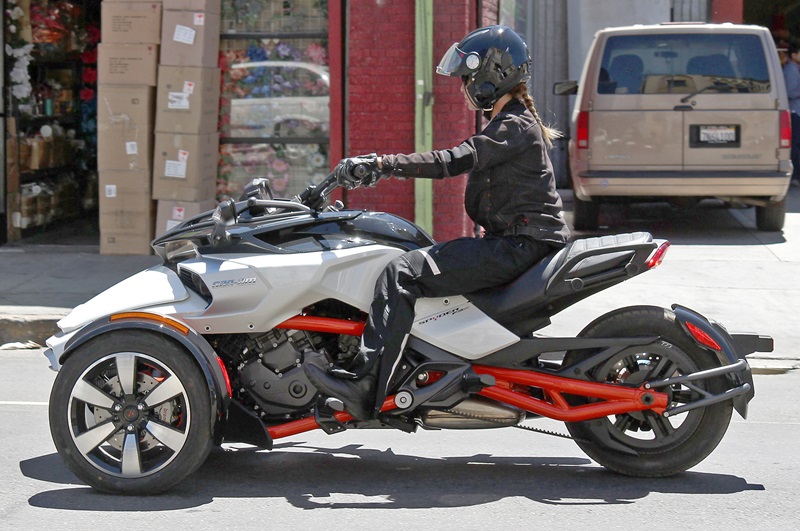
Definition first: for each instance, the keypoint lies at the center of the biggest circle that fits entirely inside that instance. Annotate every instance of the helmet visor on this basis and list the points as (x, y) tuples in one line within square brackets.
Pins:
[(451, 61)]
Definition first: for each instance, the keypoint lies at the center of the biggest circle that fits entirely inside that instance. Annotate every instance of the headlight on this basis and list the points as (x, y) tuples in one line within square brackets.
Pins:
[(180, 250)]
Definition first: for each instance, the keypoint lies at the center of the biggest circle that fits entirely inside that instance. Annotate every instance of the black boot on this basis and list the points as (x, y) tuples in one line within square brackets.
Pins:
[(358, 395)]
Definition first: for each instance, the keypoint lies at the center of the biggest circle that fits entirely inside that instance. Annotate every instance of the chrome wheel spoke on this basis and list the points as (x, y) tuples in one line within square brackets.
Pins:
[(86, 392), (169, 437), (126, 372), (91, 439), (131, 459), (164, 391)]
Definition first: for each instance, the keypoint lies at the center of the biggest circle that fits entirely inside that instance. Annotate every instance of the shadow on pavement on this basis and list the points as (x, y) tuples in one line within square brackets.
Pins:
[(356, 477)]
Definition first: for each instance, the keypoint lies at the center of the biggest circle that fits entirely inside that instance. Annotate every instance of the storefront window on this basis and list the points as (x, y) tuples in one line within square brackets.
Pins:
[(275, 104)]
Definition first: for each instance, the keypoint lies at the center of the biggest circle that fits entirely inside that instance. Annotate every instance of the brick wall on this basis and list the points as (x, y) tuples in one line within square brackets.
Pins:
[(380, 101)]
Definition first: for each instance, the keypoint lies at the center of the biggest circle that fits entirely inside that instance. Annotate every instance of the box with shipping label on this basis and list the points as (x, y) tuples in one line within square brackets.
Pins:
[(190, 38), (185, 166), (126, 212), (127, 64), (131, 22), (125, 118), (170, 214), (187, 100)]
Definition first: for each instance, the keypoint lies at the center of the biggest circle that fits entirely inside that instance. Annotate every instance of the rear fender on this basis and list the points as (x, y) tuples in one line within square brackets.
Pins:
[(194, 343), (732, 349)]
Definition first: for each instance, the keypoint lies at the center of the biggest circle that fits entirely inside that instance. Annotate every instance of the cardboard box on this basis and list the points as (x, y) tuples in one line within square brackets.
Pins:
[(126, 212), (127, 64), (170, 214), (131, 22), (207, 6), (125, 118), (190, 38), (188, 100), (185, 167)]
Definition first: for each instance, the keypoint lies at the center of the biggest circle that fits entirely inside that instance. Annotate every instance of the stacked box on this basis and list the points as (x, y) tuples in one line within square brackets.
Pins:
[(187, 110), (127, 74), (190, 30)]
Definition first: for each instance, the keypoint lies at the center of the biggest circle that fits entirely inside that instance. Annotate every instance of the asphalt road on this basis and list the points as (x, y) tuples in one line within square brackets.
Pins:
[(439, 480), (718, 265)]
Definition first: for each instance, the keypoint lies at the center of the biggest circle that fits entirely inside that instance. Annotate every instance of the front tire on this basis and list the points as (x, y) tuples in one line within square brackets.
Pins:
[(130, 413), (666, 446)]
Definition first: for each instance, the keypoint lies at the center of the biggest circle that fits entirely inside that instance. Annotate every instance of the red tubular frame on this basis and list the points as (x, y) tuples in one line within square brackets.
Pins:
[(307, 424), (616, 400), (511, 387)]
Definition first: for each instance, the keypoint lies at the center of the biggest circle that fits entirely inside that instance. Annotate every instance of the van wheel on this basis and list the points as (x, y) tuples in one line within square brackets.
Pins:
[(585, 214), (771, 216)]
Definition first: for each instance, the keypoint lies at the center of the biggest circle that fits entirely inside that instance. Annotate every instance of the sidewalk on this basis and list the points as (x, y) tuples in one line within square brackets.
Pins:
[(40, 284)]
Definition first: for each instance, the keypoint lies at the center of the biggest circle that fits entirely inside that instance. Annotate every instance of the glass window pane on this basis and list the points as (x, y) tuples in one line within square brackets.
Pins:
[(274, 16), (290, 168), (275, 88), (683, 63)]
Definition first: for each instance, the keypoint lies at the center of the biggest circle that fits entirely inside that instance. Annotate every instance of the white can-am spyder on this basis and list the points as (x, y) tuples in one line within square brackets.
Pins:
[(208, 348)]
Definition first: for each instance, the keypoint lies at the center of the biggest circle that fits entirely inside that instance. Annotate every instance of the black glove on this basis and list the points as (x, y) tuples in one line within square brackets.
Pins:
[(359, 171)]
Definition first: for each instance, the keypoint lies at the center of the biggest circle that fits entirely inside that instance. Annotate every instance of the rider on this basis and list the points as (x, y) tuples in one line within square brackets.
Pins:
[(510, 193)]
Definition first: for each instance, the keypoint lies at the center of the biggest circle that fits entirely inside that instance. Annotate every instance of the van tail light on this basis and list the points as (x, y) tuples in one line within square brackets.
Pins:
[(786, 129), (583, 130)]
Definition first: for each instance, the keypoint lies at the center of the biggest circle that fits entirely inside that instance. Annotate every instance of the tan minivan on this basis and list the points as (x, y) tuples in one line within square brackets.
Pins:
[(677, 111)]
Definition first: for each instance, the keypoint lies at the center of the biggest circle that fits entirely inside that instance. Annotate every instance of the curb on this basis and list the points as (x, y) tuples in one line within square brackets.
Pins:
[(24, 324)]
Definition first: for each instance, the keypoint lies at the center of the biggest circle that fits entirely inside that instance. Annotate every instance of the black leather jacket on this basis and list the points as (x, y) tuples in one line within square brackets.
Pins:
[(511, 188)]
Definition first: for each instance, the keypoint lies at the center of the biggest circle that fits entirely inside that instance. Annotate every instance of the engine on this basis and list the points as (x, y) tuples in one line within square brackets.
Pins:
[(266, 370)]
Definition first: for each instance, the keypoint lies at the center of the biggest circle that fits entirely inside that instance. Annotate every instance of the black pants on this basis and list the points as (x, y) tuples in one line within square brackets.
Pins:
[(451, 268)]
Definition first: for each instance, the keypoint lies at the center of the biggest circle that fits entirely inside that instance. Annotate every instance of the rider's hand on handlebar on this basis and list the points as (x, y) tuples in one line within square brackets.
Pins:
[(358, 171)]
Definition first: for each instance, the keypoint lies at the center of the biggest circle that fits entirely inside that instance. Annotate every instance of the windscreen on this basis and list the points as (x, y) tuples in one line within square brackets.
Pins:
[(683, 63)]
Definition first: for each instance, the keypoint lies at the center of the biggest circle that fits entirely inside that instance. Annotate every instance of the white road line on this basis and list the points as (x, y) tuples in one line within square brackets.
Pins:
[(14, 403)]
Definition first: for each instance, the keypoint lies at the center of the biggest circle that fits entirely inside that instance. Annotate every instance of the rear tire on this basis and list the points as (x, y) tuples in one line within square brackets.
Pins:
[(770, 218), (130, 413), (586, 214), (666, 446)]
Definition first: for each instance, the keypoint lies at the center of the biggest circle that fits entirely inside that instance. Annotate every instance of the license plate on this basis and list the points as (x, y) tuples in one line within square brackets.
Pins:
[(717, 134)]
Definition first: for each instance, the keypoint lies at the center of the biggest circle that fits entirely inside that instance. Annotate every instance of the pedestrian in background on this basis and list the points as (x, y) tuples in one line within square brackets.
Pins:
[(791, 73)]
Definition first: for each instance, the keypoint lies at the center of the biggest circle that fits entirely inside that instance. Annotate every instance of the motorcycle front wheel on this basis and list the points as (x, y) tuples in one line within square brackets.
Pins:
[(130, 413), (665, 445)]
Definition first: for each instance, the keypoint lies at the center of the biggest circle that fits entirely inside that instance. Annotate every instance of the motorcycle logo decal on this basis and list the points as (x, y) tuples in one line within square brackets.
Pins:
[(448, 313), (232, 282)]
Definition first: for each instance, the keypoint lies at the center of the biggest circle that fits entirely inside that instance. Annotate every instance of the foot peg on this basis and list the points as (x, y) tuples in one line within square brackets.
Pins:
[(335, 404)]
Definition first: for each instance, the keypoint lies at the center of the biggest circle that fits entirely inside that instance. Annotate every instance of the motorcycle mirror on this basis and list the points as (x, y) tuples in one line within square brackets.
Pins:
[(224, 215), (258, 188)]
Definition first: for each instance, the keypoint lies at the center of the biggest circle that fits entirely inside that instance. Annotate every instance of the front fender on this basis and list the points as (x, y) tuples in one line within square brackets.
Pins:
[(194, 343), (732, 349)]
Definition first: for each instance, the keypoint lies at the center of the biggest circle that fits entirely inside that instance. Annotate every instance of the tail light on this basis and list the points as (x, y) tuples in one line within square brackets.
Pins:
[(658, 256), (786, 129), (582, 133)]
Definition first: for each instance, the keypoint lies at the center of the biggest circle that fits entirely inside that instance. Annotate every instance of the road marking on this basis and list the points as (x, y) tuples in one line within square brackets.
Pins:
[(13, 403)]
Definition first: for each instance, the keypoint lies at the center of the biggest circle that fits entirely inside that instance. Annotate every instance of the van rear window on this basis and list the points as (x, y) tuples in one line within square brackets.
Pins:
[(688, 63)]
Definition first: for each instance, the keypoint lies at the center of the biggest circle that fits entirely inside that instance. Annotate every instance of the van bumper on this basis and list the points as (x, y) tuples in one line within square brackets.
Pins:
[(772, 186)]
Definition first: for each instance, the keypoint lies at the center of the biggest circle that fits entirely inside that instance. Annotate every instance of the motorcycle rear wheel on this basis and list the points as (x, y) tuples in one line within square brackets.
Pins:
[(130, 413), (666, 446)]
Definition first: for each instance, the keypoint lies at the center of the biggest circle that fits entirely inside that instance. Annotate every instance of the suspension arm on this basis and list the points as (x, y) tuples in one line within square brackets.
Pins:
[(512, 385)]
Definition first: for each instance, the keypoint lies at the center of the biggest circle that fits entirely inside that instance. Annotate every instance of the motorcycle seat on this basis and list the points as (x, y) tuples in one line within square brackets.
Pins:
[(533, 296)]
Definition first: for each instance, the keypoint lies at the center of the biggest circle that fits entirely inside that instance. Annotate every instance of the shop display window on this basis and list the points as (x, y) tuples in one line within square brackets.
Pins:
[(275, 102)]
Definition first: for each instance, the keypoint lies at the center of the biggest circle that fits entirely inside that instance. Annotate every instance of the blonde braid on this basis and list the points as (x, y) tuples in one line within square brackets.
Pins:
[(548, 133)]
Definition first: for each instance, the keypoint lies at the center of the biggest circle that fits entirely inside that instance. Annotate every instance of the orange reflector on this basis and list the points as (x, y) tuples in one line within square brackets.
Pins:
[(182, 328), (702, 337)]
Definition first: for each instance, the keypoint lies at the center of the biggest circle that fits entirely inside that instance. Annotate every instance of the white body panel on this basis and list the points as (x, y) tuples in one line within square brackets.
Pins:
[(254, 293)]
